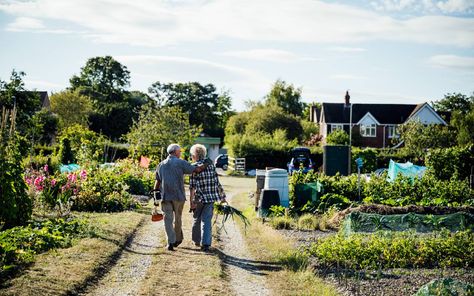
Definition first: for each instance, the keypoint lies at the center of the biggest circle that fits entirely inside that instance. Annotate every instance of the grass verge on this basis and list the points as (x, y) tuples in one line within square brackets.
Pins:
[(68, 271), (269, 245)]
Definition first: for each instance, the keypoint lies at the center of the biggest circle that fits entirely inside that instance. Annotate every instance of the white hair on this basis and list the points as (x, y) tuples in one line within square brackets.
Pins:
[(199, 150), (172, 148)]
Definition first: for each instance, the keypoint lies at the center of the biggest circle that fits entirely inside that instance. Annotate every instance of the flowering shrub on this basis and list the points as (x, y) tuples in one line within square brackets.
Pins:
[(55, 192)]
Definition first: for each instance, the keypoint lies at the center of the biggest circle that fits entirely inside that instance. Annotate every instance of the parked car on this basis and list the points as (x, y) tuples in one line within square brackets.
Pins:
[(300, 159), (222, 161)]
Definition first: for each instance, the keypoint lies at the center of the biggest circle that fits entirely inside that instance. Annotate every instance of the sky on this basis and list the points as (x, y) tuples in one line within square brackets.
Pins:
[(382, 51)]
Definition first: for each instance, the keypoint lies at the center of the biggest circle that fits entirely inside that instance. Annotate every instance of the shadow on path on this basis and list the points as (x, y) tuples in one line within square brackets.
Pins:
[(253, 266)]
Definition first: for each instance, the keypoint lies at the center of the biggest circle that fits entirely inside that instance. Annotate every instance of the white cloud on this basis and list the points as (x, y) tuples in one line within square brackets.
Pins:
[(452, 61), (25, 24), (157, 23), (269, 55), (425, 6), (452, 6), (347, 49)]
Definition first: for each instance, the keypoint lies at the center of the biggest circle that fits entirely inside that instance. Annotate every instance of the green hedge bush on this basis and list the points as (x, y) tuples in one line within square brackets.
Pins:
[(396, 250), (18, 245), (449, 162)]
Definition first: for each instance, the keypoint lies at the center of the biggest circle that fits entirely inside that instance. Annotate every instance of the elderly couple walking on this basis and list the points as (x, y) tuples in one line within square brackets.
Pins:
[(204, 187)]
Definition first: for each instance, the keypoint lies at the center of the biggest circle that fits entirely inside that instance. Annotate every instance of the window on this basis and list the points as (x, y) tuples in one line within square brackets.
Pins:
[(369, 130), (392, 131), (335, 127)]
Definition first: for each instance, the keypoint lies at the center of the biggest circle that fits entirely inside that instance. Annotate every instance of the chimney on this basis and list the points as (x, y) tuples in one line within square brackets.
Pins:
[(347, 98)]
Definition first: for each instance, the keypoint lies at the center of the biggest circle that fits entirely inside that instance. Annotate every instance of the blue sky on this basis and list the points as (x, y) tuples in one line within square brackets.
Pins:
[(383, 51)]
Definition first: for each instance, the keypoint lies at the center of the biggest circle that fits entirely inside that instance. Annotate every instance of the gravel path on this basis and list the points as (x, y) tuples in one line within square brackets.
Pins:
[(246, 276), (126, 275)]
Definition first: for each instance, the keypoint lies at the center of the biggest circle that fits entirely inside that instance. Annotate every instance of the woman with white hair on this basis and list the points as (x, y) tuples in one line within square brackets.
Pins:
[(205, 190)]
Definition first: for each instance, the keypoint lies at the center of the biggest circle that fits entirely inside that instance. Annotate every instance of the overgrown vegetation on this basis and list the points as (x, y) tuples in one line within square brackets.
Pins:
[(19, 244), (396, 250)]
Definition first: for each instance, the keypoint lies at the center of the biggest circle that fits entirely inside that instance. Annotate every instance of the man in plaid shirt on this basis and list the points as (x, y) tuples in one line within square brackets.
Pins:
[(205, 189)]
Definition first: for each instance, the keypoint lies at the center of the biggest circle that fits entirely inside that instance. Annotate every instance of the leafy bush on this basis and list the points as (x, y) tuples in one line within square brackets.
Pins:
[(308, 222), (277, 211), (103, 191), (396, 250), (338, 137), (282, 222), (18, 245), (426, 191), (86, 145), (449, 162), (15, 204), (139, 180), (369, 157)]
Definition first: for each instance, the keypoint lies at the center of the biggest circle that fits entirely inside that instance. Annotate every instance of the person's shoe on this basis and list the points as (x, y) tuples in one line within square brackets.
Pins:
[(176, 244), (205, 248), (197, 244), (170, 247)]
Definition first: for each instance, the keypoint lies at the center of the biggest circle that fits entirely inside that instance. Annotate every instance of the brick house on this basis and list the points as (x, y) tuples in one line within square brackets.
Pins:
[(373, 125)]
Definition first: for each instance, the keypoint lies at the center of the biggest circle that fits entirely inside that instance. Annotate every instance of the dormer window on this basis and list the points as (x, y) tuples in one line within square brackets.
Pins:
[(369, 130)]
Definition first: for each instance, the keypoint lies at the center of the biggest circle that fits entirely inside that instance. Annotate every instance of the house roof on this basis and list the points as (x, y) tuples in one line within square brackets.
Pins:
[(44, 98), (383, 113)]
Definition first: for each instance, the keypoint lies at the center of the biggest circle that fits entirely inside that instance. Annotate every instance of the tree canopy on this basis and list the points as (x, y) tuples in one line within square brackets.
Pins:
[(157, 127), (287, 96), (71, 108), (203, 104)]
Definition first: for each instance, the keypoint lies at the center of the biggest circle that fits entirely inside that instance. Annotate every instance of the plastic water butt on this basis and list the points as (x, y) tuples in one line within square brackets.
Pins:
[(277, 179)]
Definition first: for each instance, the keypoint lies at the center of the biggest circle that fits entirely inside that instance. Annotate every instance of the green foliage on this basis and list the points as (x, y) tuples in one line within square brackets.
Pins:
[(72, 108), (338, 137), (138, 180), (27, 103), (15, 205), (86, 145), (65, 152), (45, 126), (277, 211), (308, 222), (157, 127), (368, 155), (464, 125), (103, 191), (294, 260), (451, 162), (310, 130), (396, 250), (426, 191), (18, 245), (104, 80), (419, 137), (446, 286), (454, 102), (282, 222), (205, 106), (287, 97)]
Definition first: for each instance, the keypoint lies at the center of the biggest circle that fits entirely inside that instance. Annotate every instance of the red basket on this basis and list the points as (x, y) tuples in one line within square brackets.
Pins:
[(156, 217)]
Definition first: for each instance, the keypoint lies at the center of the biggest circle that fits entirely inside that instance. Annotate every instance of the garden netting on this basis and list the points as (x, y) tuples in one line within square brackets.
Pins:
[(407, 169), (370, 222)]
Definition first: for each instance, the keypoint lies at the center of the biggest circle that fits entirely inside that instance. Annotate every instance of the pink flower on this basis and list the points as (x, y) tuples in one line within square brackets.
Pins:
[(28, 180), (83, 174), (38, 181), (45, 168), (53, 182), (72, 177), (75, 191)]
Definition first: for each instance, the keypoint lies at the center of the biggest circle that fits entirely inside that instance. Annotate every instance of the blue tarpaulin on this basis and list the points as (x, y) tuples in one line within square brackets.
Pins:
[(69, 168), (407, 169)]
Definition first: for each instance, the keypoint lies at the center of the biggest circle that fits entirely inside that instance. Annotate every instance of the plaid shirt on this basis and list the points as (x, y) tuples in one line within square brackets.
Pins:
[(207, 185)]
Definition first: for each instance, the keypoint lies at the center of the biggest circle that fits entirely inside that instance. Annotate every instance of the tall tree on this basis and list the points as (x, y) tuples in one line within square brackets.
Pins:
[(454, 102), (71, 108), (287, 97), (157, 127), (105, 81), (202, 103)]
